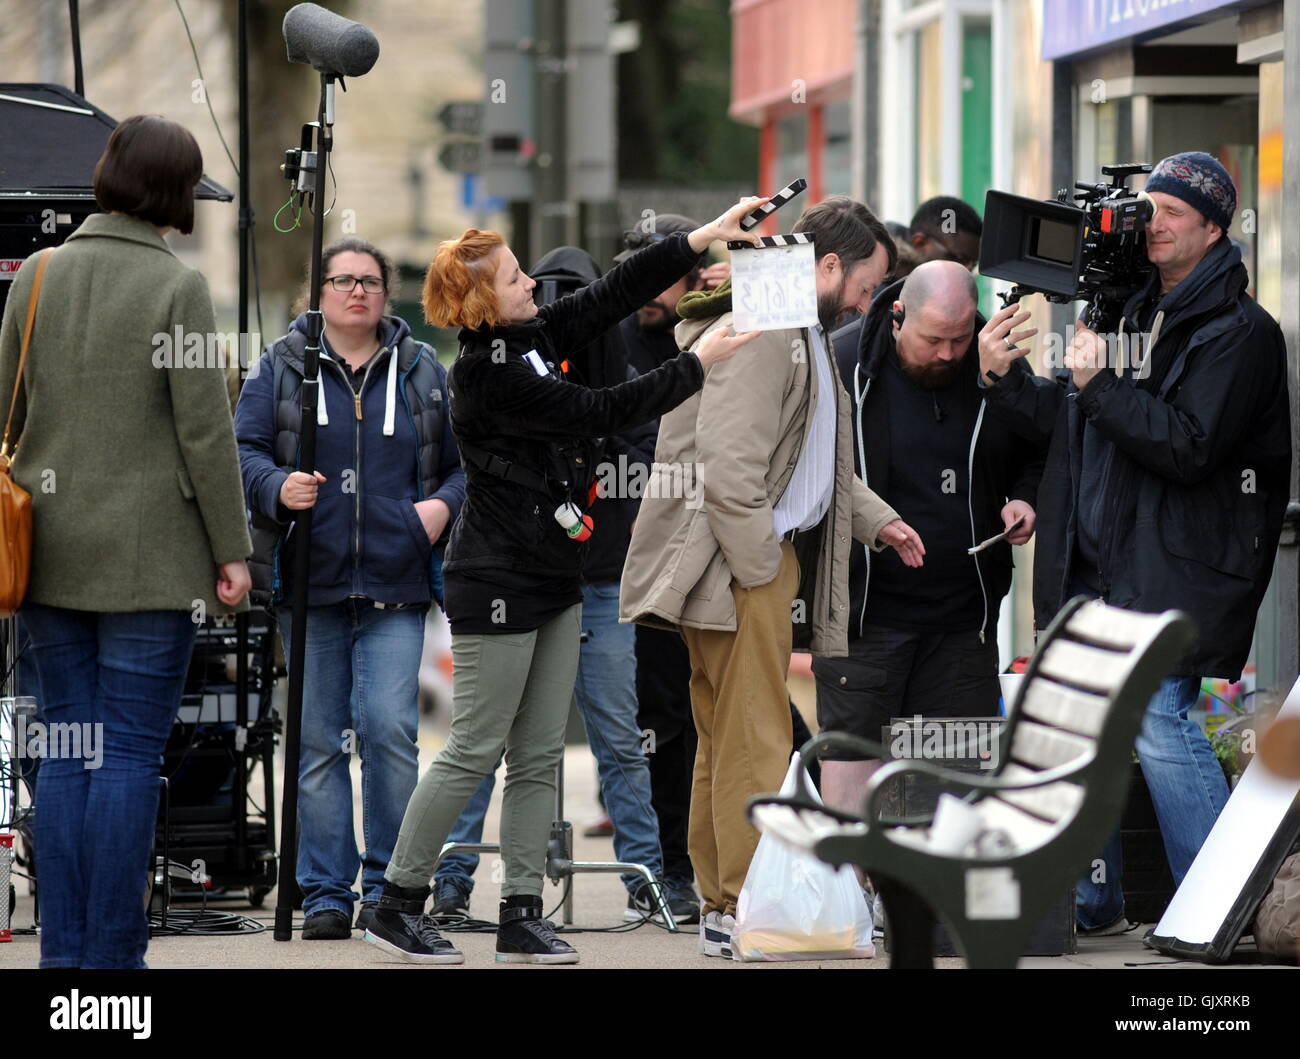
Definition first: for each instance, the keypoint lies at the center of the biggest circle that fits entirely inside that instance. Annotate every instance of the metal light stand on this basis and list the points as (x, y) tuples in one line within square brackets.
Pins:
[(561, 865), (311, 181)]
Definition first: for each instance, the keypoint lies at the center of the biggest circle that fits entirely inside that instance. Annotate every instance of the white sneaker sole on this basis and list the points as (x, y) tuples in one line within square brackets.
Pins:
[(530, 957), (631, 915), (412, 957)]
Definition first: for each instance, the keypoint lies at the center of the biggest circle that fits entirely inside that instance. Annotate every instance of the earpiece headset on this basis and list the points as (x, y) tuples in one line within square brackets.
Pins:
[(898, 315)]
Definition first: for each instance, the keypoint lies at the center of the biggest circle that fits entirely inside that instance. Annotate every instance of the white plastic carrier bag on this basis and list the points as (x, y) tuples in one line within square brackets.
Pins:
[(796, 907)]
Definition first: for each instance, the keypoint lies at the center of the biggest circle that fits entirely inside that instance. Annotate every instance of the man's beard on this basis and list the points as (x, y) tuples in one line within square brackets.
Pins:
[(830, 308), (936, 375), (662, 319)]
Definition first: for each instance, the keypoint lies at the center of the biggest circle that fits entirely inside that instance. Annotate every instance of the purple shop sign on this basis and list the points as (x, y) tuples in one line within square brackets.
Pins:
[(1073, 26)]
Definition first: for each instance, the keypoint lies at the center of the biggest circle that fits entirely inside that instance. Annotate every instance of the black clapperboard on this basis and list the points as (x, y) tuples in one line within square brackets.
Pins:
[(774, 285)]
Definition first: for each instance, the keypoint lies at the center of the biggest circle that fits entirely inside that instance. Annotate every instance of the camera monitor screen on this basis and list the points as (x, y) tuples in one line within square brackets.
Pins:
[(1031, 242), (1052, 240)]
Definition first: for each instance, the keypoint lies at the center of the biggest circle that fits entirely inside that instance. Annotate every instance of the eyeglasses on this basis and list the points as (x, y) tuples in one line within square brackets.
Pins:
[(347, 284)]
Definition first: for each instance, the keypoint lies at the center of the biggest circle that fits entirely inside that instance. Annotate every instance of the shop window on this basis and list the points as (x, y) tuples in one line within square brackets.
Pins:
[(837, 162), (791, 149)]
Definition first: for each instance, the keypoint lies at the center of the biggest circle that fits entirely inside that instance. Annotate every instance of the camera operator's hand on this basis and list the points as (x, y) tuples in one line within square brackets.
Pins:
[(1014, 510), (1085, 356), (904, 540), (721, 344), (434, 515), (727, 226), (299, 490), (233, 582), (998, 338)]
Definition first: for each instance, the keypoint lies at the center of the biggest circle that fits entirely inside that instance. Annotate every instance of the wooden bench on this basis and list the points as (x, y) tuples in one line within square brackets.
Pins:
[(991, 862)]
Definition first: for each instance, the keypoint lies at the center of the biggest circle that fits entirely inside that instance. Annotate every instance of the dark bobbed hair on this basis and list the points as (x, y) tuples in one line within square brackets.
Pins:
[(847, 229), (348, 244), (929, 216), (149, 170)]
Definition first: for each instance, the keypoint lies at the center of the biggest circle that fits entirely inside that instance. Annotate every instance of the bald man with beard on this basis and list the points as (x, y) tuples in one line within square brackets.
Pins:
[(924, 640)]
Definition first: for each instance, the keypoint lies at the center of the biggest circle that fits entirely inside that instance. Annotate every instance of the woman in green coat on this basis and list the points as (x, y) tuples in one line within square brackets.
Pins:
[(123, 437)]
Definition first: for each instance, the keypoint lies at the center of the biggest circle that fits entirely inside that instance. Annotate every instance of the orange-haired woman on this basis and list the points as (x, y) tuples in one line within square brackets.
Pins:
[(512, 576)]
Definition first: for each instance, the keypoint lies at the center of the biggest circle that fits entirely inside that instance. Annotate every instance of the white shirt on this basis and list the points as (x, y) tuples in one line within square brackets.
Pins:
[(807, 495)]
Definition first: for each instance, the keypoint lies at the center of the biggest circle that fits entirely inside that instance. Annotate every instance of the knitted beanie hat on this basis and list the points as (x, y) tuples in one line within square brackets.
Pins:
[(1199, 180)]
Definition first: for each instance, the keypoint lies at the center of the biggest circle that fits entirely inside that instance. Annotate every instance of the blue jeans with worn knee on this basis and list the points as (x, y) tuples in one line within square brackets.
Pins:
[(606, 696), (115, 681), (1188, 790), (361, 694)]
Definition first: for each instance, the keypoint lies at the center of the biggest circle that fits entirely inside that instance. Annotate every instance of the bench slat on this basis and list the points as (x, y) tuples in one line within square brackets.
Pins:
[(1025, 831), (1064, 707), (1112, 627), (1088, 667), (1042, 747), (1054, 803)]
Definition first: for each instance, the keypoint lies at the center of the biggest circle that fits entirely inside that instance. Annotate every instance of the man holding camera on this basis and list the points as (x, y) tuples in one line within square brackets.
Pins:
[(1166, 482)]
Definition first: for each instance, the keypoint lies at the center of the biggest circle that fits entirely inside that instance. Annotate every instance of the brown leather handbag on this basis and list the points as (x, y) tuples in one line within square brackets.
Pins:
[(16, 502)]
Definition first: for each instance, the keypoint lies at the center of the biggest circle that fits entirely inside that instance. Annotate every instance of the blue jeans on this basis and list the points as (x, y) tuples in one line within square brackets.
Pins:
[(606, 697), (1188, 790), (361, 694), (118, 678)]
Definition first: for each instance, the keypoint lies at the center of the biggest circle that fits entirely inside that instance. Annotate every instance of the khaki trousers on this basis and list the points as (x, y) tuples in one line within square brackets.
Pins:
[(742, 716), (510, 691)]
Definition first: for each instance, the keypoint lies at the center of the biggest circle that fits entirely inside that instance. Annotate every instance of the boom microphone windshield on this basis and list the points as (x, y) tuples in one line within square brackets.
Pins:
[(328, 42)]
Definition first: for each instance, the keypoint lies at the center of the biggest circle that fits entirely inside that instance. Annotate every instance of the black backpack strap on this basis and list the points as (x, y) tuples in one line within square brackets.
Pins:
[(500, 467)]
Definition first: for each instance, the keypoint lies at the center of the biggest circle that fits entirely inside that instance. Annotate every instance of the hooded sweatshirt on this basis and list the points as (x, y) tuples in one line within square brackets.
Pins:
[(367, 538)]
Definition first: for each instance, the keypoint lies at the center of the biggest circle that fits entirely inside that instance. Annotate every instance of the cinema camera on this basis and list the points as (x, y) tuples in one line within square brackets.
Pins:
[(1094, 251)]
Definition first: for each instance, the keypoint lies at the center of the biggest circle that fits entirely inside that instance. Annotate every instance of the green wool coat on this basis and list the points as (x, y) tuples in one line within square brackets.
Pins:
[(124, 441)]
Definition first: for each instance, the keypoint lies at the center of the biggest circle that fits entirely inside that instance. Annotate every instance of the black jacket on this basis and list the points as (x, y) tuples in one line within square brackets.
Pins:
[(543, 424), (1003, 464), (1198, 481), (646, 350), (623, 460)]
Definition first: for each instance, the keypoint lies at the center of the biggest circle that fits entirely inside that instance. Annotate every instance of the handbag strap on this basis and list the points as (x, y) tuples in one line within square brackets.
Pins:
[(22, 354)]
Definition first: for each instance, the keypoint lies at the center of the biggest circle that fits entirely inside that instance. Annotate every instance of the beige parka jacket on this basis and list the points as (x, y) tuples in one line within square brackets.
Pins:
[(723, 460)]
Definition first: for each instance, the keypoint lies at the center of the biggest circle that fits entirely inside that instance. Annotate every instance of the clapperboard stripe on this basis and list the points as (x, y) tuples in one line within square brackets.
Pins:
[(756, 217), (793, 239)]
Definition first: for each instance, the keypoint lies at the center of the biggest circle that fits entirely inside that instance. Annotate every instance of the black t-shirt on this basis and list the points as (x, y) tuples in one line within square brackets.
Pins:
[(929, 445)]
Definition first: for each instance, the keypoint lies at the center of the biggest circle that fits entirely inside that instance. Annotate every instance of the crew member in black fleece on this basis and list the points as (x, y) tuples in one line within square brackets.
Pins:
[(512, 572), (606, 690)]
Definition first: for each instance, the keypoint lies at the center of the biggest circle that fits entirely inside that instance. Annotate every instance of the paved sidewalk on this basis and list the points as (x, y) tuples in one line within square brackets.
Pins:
[(599, 901)]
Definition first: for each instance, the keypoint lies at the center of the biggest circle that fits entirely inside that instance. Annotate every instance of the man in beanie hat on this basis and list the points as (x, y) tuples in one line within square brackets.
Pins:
[(1164, 487)]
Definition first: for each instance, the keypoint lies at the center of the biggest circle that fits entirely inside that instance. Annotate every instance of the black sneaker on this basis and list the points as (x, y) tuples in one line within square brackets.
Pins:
[(329, 924), (449, 899), (683, 901), (400, 927), (366, 916), (641, 905), (523, 936)]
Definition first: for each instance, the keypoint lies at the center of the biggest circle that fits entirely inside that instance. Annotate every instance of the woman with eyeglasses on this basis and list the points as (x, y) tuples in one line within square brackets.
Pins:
[(386, 490)]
